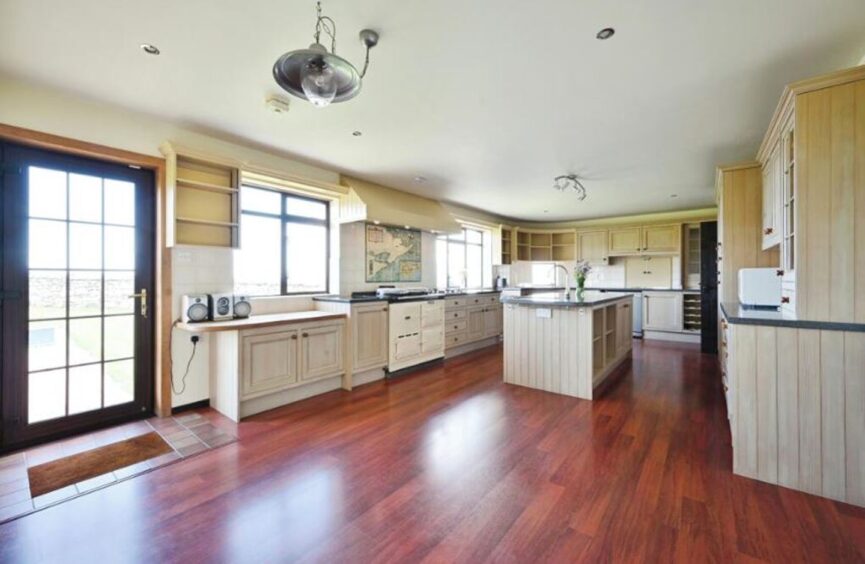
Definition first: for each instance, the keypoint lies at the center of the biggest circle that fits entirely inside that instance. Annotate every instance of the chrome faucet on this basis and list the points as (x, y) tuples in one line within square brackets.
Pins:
[(567, 278)]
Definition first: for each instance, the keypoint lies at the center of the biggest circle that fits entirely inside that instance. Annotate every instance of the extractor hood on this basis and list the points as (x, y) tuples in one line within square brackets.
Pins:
[(374, 203)]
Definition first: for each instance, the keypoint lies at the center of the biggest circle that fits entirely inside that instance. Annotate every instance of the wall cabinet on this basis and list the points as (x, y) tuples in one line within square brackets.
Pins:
[(649, 272), (592, 246), (626, 241), (773, 181), (662, 311), (546, 245)]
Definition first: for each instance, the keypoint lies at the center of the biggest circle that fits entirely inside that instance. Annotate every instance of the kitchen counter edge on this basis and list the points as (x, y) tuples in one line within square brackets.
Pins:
[(738, 315)]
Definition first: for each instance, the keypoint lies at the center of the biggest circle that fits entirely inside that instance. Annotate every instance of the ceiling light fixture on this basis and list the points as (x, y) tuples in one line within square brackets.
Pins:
[(567, 182), (150, 49), (319, 76), (419, 179), (606, 33), (357, 133)]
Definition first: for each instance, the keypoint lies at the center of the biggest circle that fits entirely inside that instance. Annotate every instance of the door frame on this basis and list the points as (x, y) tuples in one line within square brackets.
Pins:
[(162, 307)]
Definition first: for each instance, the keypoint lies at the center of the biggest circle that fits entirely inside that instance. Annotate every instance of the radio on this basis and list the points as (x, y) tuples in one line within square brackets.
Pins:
[(242, 306), (221, 306), (194, 308)]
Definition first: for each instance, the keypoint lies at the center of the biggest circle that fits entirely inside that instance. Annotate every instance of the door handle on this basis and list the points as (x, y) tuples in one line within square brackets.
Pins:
[(142, 296)]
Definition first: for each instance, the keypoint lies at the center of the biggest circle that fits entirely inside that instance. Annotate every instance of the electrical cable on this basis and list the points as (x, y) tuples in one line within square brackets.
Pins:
[(188, 363)]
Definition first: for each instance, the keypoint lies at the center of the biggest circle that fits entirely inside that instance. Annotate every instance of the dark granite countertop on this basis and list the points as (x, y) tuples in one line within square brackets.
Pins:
[(562, 299), (348, 299), (739, 315), (604, 289), (472, 292)]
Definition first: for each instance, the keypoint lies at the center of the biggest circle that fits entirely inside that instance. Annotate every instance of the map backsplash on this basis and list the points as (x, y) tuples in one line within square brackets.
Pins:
[(393, 254)]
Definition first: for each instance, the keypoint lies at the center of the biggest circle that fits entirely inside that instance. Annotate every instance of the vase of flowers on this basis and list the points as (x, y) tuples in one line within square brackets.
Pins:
[(580, 272)]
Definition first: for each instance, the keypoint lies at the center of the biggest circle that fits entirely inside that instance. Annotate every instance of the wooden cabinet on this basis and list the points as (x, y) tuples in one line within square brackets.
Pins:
[(269, 361), (626, 241), (624, 323), (321, 351), (662, 311), (492, 321), (472, 318), (649, 272), (662, 238), (773, 181), (592, 247), (506, 242), (476, 323), (369, 328), (546, 245)]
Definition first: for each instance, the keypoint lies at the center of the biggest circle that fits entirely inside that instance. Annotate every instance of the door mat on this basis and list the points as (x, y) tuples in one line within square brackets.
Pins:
[(63, 472)]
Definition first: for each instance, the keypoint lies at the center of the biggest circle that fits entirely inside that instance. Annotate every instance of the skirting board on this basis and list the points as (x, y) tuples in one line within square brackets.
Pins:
[(361, 378), (677, 337), (469, 347), (291, 395)]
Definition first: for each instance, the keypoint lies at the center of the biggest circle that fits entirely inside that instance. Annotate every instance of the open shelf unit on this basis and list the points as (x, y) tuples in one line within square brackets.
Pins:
[(203, 199), (546, 245), (507, 241), (691, 261), (691, 311)]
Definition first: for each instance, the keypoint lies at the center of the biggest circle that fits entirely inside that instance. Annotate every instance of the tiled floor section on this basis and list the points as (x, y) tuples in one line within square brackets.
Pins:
[(187, 434)]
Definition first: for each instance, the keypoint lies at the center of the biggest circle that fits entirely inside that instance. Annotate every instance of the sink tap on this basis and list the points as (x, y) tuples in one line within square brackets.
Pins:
[(567, 277)]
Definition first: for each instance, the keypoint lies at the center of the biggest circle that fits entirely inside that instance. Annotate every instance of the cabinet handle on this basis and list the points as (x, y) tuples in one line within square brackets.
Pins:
[(785, 300), (305, 335), (626, 306), (384, 309), (407, 317), (768, 231), (779, 272), (294, 337)]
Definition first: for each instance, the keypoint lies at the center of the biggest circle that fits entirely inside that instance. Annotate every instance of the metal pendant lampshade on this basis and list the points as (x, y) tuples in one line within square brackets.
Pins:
[(319, 76)]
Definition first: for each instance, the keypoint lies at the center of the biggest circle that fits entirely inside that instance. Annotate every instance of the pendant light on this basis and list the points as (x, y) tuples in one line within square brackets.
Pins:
[(318, 75)]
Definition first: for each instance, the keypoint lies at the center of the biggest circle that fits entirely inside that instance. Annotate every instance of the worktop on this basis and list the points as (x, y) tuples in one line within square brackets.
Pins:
[(603, 289), (352, 299), (566, 299), (258, 321), (738, 314)]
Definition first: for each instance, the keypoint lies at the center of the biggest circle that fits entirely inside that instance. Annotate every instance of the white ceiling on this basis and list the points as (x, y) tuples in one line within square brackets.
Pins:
[(488, 99)]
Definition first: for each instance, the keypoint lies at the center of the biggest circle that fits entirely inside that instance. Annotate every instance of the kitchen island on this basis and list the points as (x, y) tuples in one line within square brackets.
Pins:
[(566, 343)]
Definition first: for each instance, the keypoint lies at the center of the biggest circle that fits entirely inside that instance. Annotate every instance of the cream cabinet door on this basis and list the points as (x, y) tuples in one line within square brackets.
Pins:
[(321, 352), (662, 238), (476, 323), (268, 362), (625, 241), (369, 328), (773, 183), (492, 321), (624, 327), (649, 272), (592, 247), (662, 311)]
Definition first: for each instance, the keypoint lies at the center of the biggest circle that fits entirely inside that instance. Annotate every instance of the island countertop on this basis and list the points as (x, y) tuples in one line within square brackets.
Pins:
[(566, 299)]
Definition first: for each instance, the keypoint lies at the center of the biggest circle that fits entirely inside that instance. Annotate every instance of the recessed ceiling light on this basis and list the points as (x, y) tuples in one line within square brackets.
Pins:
[(606, 33), (674, 195), (546, 211), (357, 133), (150, 49), (420, 179), (408, 227)]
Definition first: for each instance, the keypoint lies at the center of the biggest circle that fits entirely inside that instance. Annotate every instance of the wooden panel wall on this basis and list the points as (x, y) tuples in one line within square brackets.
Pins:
[(741, 229), (800, 418), (830, 155)]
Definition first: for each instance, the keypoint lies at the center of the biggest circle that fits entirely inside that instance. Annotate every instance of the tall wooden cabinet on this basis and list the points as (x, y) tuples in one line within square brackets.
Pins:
[(814, 152)]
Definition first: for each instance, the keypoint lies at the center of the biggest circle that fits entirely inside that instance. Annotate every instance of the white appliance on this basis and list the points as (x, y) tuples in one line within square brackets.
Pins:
[(759, 287), (221, 306), (194, 309), (416, 332), (397, 294), (242, 306)]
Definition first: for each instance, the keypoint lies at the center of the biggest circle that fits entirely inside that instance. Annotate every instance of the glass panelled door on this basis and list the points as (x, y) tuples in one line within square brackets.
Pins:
[(78, 244)]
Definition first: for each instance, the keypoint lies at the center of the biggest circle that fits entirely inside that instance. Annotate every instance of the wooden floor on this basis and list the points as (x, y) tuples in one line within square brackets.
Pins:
[(450, 464)]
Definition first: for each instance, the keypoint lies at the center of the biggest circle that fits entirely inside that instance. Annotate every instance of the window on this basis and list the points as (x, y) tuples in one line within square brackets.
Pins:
[(464, 260), (284, 245), (544, 273)]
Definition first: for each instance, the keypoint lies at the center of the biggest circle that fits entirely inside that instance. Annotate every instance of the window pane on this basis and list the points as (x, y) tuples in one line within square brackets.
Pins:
[(305, 208), (85, 340), (47, 345), (85, 388), (46, 395), (47, 294), (456, 265), (85, 198), (118, 287), (441, 263), (306, 258), (257, 264), (119, 337), (119, 247), (266, 201), (85, 293), (473, 236), (47, 244), (474, 267), (461, 236), (119, 202), (119, 382), (47, 192), (85, 245)]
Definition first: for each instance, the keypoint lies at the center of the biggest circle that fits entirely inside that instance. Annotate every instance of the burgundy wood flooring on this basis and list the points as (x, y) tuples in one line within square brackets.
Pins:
[(451, 465)]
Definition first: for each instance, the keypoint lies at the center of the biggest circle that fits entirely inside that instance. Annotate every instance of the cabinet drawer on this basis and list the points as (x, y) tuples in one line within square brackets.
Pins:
[(477, 300), (455, 314), (455, 340), (451, 303), (456, 326)]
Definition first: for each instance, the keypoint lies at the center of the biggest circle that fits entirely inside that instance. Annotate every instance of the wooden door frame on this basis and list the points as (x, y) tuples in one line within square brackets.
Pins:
[(162, 254)]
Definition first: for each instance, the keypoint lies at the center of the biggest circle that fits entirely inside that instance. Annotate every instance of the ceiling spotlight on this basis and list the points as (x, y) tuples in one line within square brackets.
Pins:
[(357, 133), (320, 76), (568, 182), (674, 195), (606, 33), (150, 49)]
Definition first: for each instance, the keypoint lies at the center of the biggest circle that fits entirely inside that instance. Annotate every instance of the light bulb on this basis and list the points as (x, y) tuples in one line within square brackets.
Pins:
[(318, 81)]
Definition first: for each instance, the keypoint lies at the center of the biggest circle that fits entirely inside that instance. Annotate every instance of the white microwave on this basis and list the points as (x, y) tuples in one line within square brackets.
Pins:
[(759, 287)]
